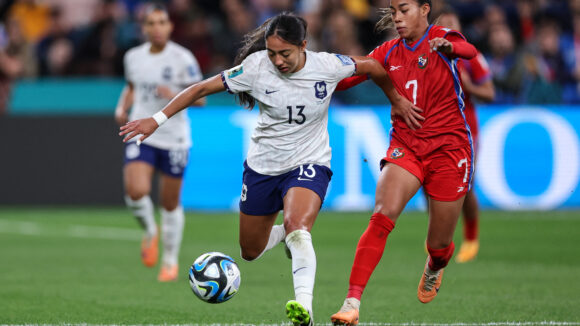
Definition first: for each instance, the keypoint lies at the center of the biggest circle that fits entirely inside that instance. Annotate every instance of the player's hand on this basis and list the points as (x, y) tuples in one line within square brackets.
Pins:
[(440, 44), (144, 127), (165, 92), (410, 113), (121, 117)]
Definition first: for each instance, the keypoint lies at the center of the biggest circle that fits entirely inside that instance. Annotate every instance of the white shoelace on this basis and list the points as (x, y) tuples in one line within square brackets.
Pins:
[(430, 280)]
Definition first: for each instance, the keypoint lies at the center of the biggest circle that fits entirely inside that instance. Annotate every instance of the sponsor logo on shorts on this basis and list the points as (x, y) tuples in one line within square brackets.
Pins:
[(397, 153), (460, 188), (132, 151), (422, 61)]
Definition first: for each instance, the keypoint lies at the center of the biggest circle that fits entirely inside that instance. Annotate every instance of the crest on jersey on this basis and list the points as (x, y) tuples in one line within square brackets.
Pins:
[(397, 153), (236, 71), (167, 73), (320, 90), (422, 61)]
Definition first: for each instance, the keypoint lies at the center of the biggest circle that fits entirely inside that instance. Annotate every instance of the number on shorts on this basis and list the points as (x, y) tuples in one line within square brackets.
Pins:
[(306, 173), (460, 164)]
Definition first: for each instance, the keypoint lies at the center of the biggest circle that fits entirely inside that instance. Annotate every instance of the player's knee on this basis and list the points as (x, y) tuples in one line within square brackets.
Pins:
[(169, 204), (136, 193), (388, 210), (249, 254)]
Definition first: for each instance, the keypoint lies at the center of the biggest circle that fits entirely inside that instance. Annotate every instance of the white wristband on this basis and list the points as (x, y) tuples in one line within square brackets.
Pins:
[(160, 118)]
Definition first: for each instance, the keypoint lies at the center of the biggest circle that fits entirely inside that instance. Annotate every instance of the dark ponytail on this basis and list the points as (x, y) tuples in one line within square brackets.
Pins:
[(287, 26), (386, 21)]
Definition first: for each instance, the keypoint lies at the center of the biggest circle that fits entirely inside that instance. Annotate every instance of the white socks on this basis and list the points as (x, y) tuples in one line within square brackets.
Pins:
[(277, 234), (142, 208), (172, 223), (303, 266)]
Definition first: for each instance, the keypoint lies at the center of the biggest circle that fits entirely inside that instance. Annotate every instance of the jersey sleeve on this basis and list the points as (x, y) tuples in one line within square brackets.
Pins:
[(379, 54), (241, 77), (340, 66), (127, 68), (480, 72), (191, 72)]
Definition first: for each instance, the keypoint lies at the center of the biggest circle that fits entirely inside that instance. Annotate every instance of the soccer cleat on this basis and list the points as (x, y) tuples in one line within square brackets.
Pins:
[(348, 313), (149, 250), (168, 273), (297, 314), (429, 284), (468, 251)]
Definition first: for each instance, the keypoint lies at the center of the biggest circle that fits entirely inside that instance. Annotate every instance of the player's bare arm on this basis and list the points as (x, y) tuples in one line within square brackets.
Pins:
[(124, 104), (166, 92), (484, 92), (183, 100), (400, 106)]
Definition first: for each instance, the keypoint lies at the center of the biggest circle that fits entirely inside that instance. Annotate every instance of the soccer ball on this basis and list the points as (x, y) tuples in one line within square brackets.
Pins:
[(214, 277)]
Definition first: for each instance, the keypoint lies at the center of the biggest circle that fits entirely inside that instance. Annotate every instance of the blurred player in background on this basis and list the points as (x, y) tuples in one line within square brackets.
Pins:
[(155, 72), (438, 155), (477, 83), (288, 162)]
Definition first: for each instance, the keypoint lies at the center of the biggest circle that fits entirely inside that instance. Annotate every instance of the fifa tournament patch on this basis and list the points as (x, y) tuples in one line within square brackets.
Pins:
[(346, 60), (397, 153), (422, 61), (320, 90), (236, 71)]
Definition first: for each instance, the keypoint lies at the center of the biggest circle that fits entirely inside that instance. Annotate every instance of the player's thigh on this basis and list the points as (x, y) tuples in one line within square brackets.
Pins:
[(443, 216), (254, 233), (301, 207), (137, 176), (396, 186), (170, 191)]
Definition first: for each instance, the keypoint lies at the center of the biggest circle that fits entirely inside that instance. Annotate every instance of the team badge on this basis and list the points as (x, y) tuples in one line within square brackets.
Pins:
[(167, 73), (320, 90), (397, 153), (236, 71), (422, 61)]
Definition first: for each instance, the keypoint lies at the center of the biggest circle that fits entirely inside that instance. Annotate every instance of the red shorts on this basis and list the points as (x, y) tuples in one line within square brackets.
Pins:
[(445, 174)]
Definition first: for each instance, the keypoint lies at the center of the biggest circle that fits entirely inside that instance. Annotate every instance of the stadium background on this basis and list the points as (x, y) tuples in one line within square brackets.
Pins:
[(70, 249)]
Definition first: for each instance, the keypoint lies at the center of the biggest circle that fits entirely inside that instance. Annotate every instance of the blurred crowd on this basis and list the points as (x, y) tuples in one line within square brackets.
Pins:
[(532, 46)]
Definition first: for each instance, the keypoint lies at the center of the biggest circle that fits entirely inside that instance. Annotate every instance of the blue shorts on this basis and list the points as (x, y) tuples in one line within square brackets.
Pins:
[(264, 194), (170, 162)]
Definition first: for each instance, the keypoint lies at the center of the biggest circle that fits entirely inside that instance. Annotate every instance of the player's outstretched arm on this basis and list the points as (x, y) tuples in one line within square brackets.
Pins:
[(184, 99), (400, 106)]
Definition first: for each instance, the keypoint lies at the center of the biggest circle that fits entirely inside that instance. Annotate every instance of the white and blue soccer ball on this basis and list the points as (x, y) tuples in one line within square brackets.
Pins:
[(214, 277)]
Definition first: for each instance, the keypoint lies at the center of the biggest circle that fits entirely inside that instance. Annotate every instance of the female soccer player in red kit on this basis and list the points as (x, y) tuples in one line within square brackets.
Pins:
[(476, 82), (437, 155)]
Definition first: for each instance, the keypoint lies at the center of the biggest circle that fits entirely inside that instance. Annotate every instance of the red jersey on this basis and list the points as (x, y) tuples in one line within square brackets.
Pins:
[(478, 70), (430, 81)]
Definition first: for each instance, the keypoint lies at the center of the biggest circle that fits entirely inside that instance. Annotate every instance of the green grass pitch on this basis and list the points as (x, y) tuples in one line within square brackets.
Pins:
[(82, 266)]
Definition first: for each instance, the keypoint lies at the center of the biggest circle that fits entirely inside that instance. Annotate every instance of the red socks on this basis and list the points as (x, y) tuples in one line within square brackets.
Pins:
[(440, 257), (470, 228), (368, 253)]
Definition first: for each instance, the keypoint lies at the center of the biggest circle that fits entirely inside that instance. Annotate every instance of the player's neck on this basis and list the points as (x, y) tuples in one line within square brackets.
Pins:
[(302, 63), (157, 48), (417, 36)]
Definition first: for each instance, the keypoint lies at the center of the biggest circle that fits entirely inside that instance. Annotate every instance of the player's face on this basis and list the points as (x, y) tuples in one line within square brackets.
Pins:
[(449, 21), (157, 27), (410, 19), (287, 57)]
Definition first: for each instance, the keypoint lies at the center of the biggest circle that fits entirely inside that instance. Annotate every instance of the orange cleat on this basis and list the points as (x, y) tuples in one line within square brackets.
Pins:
[(149, 250), (468, 251), (348, 313), (429, 284), (168, 273)]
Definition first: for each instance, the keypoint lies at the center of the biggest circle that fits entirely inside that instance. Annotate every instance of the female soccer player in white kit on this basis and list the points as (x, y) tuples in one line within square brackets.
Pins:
[(288, 162), (156, 71)]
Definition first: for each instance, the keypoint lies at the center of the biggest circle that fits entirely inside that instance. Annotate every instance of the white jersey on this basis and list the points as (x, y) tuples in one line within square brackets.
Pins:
[(176, 68), (292, 124)]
